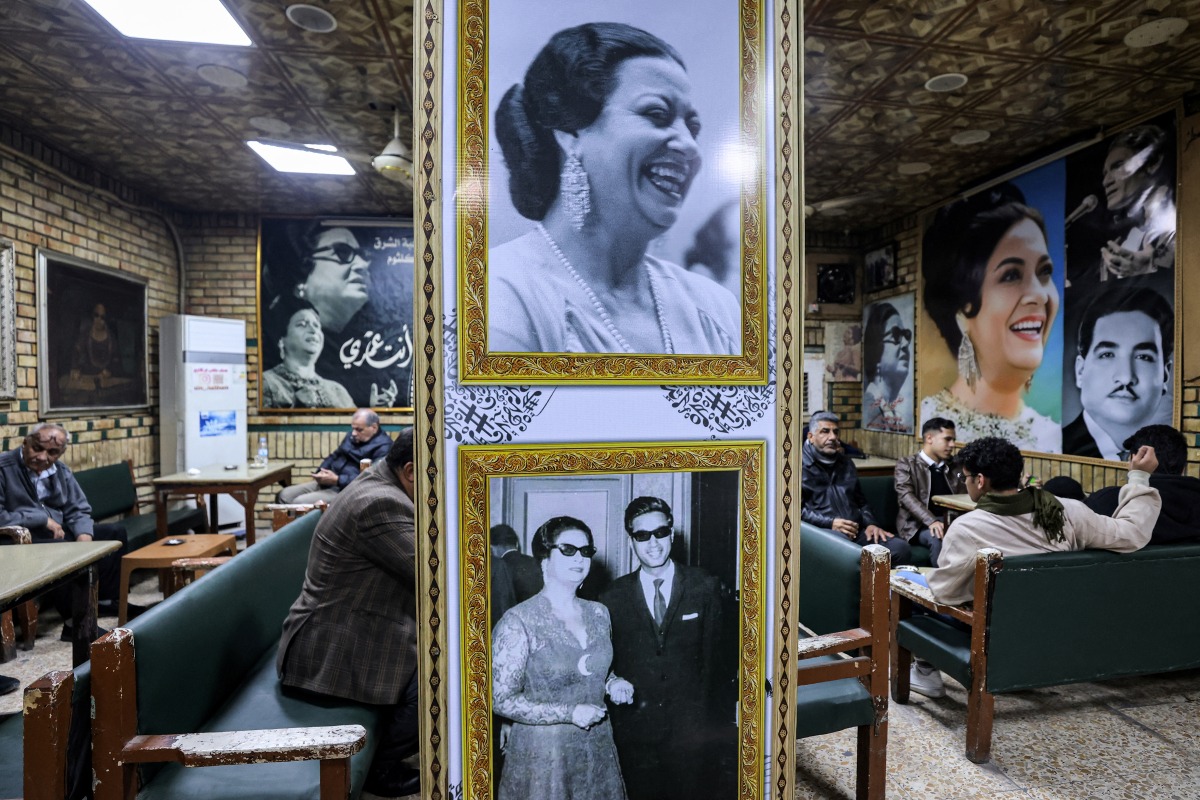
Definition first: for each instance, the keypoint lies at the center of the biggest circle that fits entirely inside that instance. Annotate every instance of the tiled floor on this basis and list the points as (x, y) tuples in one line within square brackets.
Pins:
[(1130, 738)]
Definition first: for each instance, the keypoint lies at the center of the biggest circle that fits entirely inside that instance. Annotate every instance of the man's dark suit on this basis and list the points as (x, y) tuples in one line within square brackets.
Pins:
[(352, 633), (670, 738), (526, 574), (1077, 440)]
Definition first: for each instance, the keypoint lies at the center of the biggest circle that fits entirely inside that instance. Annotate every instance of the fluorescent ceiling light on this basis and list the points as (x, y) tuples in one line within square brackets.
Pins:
[(305, 158), (200, 21)]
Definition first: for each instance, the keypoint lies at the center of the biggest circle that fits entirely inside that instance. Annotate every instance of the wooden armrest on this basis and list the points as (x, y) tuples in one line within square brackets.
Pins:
[(831, 643), (223, 748), (18, 534), (923, 596), (196, 564)]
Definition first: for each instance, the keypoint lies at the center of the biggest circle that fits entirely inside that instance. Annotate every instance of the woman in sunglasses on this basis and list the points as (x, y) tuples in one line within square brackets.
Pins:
[(550, 673), (887, 356), (364, 304), (294, 382), (990, 289)]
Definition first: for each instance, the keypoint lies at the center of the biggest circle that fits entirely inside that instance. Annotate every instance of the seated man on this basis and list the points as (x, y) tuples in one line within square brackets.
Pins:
[(1023, 521), (1179, 520), (831, 496), (40, 493), (365, 440), (352, 633), (921, 477)]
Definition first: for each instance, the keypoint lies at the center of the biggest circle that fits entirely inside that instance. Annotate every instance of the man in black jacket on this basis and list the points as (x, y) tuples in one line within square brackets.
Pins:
[(365, 440), (1179, 519), (830, 496)]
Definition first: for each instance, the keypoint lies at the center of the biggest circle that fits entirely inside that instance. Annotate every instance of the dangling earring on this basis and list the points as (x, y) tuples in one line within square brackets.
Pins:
[(576, 194), (968, 367), (301, 290)]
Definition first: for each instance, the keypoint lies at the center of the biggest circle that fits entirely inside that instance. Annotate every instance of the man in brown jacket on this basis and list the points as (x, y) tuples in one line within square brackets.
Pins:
[(920, 477), (352, 633)]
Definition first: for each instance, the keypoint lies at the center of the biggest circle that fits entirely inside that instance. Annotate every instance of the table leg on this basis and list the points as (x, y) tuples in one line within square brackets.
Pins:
[(213, 519), (123, 601), (83, 617), (251, 501), (160, 513)]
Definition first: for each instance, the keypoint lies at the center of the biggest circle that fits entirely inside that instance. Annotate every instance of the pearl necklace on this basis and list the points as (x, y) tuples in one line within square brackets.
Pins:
[(601, 310)]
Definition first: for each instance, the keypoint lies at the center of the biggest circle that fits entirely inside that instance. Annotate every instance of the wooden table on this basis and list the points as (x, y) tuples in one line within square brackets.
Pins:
[(242, 484), (160, 555), (27, 571), (874, 466), (955, 502)]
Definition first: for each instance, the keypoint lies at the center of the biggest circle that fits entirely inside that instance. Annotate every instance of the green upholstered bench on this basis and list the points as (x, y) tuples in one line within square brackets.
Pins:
[(881, 497), (843, 597), (35, 743), (111, 491), (203, 662), (1052, 619)]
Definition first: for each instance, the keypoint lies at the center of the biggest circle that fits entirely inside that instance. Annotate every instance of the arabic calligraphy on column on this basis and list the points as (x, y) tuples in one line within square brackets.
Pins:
[(486, 414)]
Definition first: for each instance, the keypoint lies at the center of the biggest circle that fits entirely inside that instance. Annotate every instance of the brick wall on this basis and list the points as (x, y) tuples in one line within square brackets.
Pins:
[(41, 206)]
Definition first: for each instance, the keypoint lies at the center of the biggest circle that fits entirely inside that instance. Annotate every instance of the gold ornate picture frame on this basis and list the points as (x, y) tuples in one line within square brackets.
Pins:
[(499, 39), (717, 495)]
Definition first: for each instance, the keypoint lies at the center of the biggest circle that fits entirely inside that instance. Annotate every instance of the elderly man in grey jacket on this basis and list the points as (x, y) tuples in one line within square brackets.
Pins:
[(39, 492)]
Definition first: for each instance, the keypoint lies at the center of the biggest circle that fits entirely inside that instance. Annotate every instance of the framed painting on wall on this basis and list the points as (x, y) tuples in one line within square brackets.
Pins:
[(592, 524), (335, 300), (91, 336), (879, 268), (612, 235)]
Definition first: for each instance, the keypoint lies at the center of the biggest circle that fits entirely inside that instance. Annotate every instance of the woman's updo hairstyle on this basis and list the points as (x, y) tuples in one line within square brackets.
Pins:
[(565, 89), (545, 537), (956, 249)]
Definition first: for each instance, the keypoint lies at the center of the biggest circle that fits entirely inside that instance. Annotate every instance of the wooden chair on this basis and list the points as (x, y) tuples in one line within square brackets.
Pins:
[(283, 513), (35, 743), (26, 614), (858, 653)]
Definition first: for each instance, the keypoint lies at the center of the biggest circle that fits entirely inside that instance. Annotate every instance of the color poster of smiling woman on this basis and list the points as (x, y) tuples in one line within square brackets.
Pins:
[(614, 220), (990, 349), (335, 301)]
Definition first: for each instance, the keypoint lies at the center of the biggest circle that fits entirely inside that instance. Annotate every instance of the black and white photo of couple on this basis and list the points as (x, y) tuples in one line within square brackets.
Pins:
[(614, 652)]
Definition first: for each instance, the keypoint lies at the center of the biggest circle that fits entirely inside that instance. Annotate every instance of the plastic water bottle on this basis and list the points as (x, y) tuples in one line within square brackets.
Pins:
[(261, 458)]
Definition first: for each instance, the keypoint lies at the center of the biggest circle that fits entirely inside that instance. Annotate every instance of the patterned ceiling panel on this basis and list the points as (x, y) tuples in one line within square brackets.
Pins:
[(846, 67), (986, 74), (1042, 73), (109, 67), (916, 19)]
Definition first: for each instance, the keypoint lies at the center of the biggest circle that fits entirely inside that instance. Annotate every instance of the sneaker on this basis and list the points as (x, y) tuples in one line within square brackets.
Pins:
[(925, 679)]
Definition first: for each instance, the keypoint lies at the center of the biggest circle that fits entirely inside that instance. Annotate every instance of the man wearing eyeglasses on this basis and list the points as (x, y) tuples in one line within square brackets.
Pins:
[(352, 632), (365, 441), (830, 495), (40, 493), (666, 620)]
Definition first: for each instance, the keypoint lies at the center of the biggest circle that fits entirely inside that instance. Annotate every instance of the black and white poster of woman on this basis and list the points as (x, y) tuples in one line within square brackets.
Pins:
[(1120, 294), (887, 365), (992, 283), (335, 314), (619, 177)]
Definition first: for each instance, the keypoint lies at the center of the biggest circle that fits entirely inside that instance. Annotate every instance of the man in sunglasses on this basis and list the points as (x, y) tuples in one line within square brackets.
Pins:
[(666, 620), (352, 632), (830, 495)]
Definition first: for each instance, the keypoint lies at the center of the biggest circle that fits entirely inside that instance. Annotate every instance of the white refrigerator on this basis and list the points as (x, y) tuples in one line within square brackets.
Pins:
[(202, 379)]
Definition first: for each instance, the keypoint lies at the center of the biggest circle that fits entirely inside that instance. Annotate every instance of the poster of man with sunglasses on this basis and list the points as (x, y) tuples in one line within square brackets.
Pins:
[(358, 279), (887, 365), (659, 665)]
